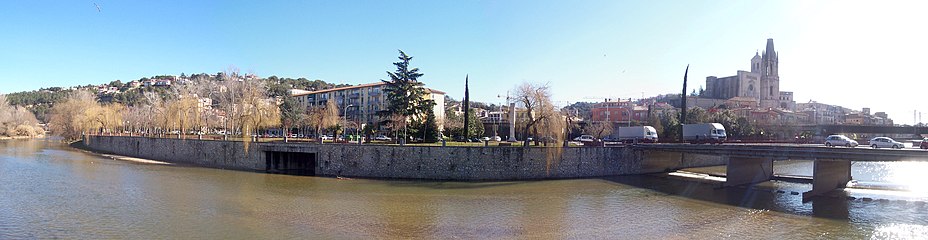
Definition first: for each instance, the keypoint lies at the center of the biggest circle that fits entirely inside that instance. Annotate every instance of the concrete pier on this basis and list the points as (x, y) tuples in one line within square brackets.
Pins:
[(746, 170), (827, 175)]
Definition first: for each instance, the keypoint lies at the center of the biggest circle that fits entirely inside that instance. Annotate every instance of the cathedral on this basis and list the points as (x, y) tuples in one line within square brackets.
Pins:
[(762, 83)]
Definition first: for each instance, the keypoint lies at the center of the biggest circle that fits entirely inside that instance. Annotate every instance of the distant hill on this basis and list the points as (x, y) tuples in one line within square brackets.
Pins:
[(39, 102)]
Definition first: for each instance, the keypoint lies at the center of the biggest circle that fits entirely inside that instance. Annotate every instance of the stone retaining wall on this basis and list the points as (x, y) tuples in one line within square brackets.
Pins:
[(411, 162)]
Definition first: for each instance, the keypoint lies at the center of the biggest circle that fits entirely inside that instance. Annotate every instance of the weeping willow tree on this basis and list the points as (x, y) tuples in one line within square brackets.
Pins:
[(323, 117), (541, 119), (80, 114), (181, 112), (257, 110)]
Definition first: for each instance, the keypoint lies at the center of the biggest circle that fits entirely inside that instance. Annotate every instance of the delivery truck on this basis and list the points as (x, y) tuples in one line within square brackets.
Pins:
[(637, 134), (704, 133)]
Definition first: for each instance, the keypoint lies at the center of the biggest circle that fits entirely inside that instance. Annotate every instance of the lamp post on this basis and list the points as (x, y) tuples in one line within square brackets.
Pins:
[(346, 117), (629, 114), (512, 118)]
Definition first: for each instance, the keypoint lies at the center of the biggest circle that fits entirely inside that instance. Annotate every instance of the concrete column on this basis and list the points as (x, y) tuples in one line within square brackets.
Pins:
[(744, 170), (827, 175)]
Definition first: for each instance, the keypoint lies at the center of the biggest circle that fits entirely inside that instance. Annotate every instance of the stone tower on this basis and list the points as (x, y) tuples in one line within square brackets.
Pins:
[(770, 77), (755, 63)]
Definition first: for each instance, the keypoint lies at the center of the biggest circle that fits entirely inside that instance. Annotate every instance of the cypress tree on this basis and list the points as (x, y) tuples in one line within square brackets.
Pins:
[(466, 108)]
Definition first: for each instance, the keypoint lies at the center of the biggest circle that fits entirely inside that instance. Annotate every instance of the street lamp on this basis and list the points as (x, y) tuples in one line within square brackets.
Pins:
[(629, 114), (512, 117), (346, 117)]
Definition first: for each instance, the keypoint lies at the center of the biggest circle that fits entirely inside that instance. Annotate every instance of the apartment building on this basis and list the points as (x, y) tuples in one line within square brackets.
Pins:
[(363, 102)]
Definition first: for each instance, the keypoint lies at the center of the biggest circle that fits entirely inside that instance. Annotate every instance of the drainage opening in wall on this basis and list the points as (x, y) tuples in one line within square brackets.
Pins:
[(293, 163)]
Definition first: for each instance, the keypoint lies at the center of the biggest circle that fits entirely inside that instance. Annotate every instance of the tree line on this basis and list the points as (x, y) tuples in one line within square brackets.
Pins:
[(16, 121)]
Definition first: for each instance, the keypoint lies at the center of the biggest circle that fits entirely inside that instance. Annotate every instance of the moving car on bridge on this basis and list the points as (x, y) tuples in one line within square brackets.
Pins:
[(840, 140), (885, 142)]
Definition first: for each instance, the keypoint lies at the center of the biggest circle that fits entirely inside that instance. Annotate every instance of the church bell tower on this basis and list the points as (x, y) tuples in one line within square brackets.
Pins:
[(770, 77)]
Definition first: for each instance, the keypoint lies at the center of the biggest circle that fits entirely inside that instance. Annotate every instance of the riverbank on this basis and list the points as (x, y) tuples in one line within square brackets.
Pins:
[(81, 146), (21, 137)]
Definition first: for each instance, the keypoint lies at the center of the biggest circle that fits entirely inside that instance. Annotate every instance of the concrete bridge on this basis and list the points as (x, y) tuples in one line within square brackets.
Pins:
[(835, 128), (748, 164)]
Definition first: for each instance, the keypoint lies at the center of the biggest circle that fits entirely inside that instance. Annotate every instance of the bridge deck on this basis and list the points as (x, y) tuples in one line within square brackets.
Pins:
[(793, 152)]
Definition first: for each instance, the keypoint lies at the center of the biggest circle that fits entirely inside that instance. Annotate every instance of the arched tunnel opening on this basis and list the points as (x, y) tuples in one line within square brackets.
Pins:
[(292, 163)]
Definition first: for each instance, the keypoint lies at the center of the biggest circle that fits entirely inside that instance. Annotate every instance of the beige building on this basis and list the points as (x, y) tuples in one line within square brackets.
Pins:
[(761, 83), (363, 102)]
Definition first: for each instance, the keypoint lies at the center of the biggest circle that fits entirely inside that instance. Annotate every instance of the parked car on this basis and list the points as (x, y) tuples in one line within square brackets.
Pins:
[(585, 138), (485, 139), (840, 140), (885, 142), (924, 144), (496, 138), (382, 138), (326, 137)]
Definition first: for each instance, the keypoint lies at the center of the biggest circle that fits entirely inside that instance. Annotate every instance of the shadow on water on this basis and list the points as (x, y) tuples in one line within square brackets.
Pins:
[(450, 185), (834, 206)]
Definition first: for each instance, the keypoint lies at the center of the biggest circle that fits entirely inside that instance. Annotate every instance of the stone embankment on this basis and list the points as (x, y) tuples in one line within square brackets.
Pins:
[(404, 162)]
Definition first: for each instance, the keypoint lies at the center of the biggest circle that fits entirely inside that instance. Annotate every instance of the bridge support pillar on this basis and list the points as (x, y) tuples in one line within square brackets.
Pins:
[(745, 170), (827, 175)]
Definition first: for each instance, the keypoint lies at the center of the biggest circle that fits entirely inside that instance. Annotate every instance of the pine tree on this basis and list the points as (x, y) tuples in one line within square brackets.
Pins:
[(475, 127), (405, 95), (430, 128)]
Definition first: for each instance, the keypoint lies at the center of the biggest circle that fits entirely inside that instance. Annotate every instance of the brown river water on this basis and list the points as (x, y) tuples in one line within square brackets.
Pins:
[(48, 190)]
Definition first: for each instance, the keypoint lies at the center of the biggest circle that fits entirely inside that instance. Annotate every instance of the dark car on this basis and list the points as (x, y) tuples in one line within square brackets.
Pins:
[(924, 144)]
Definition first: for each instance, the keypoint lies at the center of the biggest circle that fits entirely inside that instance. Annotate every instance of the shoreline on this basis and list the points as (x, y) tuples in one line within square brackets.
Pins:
[(79, 145), (21, 137)]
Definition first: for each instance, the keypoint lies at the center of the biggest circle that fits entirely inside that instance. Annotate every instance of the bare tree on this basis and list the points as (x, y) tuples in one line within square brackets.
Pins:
[(323, 117), (599, 129), (17, 121), (542, 120), (74, 116), (181, 112)]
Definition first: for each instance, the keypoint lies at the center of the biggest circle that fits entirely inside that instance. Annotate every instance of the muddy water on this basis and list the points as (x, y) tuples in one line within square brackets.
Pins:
[(48, 190)]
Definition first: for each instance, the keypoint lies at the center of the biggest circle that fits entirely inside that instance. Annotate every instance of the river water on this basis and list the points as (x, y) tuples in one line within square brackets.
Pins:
[(48, 190)]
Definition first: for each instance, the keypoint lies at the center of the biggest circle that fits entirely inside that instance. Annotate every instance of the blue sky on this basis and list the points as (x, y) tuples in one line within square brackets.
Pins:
[(855, 54)]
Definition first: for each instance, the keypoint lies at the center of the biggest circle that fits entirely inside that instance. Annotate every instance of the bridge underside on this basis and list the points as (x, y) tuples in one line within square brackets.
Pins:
[(744, 170), (827, 174)]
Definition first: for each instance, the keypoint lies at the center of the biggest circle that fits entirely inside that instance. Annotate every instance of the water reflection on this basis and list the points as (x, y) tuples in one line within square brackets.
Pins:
[(51, 191)]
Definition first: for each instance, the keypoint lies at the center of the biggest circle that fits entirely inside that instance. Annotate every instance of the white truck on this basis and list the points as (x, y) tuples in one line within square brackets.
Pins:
[(637, 134), (704, 133)]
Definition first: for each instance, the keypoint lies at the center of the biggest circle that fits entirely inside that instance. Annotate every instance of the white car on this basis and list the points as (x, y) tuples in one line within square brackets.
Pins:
[(840, 140), (382, 138), (496, 138), (585, 138), (885, 142), (326, 137)]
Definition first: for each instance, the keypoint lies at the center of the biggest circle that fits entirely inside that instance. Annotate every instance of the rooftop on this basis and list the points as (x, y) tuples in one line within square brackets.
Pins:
[(354, 87)]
